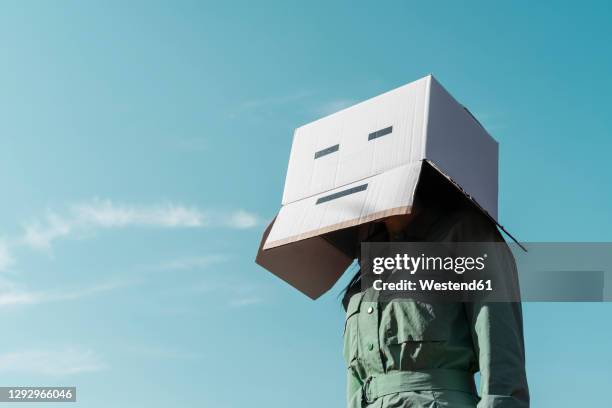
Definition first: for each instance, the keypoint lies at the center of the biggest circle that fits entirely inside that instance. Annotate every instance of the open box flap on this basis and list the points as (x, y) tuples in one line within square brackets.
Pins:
[(383, 195)]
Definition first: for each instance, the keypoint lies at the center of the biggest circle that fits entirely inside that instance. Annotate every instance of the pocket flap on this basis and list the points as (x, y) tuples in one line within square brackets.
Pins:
[(406, 321)]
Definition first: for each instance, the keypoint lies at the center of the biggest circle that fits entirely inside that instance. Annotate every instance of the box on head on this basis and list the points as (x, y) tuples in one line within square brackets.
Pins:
[(364, 163)]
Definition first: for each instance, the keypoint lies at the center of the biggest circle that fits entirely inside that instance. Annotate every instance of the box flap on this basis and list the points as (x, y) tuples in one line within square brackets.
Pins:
[(461, 148), (312, 266), (369, 199)]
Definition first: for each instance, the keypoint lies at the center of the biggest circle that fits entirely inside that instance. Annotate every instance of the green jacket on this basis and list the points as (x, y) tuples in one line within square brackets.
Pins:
[(412, 354)]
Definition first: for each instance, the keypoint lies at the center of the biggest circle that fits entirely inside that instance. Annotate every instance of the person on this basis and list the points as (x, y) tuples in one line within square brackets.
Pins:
[(415, 354)]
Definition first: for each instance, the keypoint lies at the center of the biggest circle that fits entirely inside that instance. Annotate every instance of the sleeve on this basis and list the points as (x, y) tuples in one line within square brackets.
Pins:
[(497, 327), (498, 341), (353, 390)]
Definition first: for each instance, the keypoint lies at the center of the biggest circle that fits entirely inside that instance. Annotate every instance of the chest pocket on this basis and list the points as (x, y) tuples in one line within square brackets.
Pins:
[(416, 334), (405, 321)]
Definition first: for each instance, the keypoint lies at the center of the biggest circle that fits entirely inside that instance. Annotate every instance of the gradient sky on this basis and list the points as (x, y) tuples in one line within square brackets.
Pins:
[(143, 147)]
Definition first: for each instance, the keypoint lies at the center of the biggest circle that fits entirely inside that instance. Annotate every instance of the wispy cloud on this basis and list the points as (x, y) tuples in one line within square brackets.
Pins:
[(95, 214), (40, 235), (190, 263), (309, 103), (223, 287), (51, 362), (334, 105), (265, 108), (6, 260), (245, 300), (242, 219), (13, 295), (106, 214)]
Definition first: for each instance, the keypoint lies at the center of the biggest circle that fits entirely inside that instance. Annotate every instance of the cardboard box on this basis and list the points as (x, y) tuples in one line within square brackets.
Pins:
[(362, 164)]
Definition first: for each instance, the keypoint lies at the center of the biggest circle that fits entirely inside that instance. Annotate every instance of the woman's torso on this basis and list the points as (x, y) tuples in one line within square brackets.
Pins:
[(409, 354)]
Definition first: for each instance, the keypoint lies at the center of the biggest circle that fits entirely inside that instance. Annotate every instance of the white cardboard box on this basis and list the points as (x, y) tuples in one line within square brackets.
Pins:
[(362, 164)]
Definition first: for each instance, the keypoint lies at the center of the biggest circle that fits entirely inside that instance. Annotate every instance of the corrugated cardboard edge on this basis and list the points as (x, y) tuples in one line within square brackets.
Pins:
[(341, 225), (383, 214)]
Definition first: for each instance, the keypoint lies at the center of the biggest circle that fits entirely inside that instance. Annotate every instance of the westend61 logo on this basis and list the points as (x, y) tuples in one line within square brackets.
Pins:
[(413, 264)]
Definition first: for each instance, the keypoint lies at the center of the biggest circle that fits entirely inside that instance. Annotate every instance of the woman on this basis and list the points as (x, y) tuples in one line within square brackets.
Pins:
[(414, 354)]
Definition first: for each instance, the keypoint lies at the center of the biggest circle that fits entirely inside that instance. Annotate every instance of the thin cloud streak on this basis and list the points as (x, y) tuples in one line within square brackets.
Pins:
[(245, 301), (105, 214), (242, 220), (6, 260), (191, 263), (62, 362), (267, 108), (40, 235), (334, 106), (12, 295)]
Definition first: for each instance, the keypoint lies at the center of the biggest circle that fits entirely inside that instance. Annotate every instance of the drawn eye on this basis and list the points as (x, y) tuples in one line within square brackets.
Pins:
[(326, 151), (380, 133)]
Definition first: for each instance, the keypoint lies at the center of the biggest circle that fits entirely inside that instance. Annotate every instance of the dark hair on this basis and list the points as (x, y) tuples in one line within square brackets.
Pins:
[(434, 193), (369, 232)]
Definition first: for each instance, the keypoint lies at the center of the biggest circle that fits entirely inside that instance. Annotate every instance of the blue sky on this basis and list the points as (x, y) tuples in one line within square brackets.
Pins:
[(143, 147)]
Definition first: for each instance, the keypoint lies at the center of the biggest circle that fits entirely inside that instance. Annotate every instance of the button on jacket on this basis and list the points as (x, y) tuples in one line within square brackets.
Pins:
[(413, 354)]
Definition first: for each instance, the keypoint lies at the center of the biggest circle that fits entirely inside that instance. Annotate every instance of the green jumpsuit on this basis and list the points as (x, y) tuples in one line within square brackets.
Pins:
[(412, 354)]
